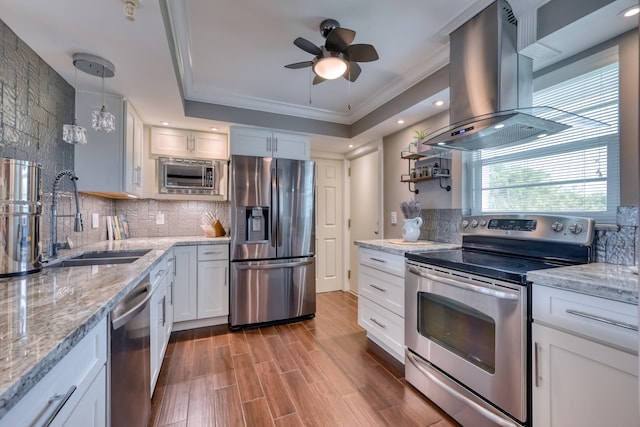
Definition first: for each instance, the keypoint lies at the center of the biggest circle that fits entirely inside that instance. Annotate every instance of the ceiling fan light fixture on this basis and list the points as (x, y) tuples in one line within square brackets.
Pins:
[(330, 67)]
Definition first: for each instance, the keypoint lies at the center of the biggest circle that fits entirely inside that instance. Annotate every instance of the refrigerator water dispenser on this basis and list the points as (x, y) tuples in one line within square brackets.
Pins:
[(257, 218)]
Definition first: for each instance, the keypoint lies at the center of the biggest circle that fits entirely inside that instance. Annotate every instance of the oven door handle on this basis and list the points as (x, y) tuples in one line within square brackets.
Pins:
[(485, 412), (464, 284)]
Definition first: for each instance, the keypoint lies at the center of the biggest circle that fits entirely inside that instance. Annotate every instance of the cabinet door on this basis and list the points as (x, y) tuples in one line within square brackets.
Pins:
[(291, 146), (171, 142), (185, 283), (251, 142), (91, 409), (156, 311), (210, 145), (213, 289), (578, 382), (100, 164), (134, 150), (168, 309)]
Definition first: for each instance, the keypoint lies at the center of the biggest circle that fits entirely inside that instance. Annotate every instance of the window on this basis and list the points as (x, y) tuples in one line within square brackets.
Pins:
[(575, 172)]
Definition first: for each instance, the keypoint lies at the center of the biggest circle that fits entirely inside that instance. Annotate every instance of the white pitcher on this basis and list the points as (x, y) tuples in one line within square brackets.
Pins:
[(411, 229)]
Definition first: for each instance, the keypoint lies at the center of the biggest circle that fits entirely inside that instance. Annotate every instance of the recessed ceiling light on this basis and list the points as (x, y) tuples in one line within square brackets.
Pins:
[(500, 126), (214, 129), (440, 143), (400, 121), (350, 145), (542, 135), (632, 11), (439, 103), (164, 123)]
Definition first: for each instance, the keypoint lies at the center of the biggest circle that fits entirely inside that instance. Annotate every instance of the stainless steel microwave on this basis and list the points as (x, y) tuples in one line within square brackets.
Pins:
[(192, 176)]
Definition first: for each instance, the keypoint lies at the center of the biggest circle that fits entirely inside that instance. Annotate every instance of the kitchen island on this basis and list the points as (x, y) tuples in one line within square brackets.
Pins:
[(44, 315)]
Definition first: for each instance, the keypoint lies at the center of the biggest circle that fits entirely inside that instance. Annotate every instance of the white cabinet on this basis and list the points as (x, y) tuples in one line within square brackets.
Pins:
[(75, 387), (585, 362), (161, 313), (201, 287), (189, 144), (185, 283), (381, 299), (111, 162), (266, 143)]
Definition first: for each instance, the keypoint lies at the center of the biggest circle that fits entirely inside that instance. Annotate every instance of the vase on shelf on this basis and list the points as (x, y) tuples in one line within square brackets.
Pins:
[(411, 229)]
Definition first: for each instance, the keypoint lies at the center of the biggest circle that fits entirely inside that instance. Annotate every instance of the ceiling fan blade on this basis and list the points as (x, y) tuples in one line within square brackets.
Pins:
[(352, 72), (297, 65), (307, 46), (317, 79), (362, 53), (339, 39)]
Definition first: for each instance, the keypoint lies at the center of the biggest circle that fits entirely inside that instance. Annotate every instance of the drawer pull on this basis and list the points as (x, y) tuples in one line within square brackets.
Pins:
[(378, 260), (382, 325), (63, 400), (377, 287), (212, 253), (602, 319)]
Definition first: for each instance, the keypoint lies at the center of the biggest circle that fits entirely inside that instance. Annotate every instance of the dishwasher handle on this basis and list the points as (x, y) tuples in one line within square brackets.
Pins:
[(118, 319)]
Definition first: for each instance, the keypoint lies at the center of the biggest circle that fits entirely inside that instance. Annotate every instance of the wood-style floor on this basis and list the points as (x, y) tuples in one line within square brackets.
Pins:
[(318, 372)]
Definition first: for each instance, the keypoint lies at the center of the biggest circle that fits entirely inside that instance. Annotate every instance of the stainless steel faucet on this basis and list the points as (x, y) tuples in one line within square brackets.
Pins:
[(77, 224)]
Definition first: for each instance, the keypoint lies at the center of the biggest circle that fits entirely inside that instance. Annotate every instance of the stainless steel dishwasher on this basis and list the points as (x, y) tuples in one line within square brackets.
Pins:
[(130, 359)]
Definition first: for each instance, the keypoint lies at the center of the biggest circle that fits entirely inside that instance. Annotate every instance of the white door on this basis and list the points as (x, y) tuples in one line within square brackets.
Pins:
[(365, 201), (329, 225)]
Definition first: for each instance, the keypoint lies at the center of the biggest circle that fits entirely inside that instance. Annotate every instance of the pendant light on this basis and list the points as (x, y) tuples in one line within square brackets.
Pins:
[(74, 133), (101, 120)]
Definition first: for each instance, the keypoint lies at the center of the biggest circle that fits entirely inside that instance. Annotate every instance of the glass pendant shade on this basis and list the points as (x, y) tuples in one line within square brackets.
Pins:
[(330, 67), (103, 120), (74, 134)]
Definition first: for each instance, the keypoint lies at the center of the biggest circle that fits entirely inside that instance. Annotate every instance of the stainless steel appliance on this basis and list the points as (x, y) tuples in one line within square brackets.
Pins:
[(131, 358), (20, 211), (192, 176), (468, 318), (272, 240)]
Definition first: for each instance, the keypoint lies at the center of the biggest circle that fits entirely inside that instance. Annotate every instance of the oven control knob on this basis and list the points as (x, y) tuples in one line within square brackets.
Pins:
[(465, 223), (576, 228), (483, 223), (557, 226), (474, 223)]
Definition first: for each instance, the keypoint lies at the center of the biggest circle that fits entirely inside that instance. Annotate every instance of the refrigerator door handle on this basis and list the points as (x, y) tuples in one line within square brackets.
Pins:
[(274, 208), (280, 207), (241, 266)]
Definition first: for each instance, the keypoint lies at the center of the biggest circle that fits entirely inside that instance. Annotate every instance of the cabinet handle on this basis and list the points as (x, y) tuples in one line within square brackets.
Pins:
[(374, 286), (382, 325), (537, 374), (212, 253), (602, 319), (275, 144), (171, 292), (268, 143), (63, 400), (164, 311), (378, 260), (160, 273)]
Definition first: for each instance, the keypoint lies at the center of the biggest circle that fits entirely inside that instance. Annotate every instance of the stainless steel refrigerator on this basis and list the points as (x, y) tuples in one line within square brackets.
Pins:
[(273, 273)]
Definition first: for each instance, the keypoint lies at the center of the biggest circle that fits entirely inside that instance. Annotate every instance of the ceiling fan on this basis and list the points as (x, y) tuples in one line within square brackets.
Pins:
[(338, 57)]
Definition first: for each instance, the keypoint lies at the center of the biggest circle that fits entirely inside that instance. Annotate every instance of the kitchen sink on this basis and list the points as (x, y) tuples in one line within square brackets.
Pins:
[(103, 258)]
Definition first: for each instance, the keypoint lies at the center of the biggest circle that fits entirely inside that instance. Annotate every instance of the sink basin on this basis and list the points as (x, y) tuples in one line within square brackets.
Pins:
[(103, 258)]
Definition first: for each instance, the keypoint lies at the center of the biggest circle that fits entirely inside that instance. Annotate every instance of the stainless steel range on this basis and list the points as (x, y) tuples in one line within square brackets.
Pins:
[(468, 313)]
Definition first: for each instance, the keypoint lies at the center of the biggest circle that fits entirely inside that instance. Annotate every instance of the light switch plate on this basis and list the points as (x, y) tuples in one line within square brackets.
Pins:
[(394, 218), (159, 218), (95, 219)]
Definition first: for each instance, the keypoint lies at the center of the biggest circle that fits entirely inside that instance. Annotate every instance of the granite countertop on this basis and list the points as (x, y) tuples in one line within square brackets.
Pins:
[(400, 247), (43, 315), (611, 281)]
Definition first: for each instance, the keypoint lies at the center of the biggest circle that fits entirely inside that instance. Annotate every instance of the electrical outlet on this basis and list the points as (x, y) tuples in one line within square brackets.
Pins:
[(394, 218), (159, 218), (95, 220)]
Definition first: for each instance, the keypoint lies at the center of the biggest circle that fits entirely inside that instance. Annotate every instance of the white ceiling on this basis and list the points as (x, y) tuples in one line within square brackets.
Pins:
[(232, 53)]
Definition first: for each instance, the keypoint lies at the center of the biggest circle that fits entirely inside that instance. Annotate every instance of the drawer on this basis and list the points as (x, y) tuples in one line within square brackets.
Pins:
[(599, 319), (383, 326), (390, 263), (77, 369), (213, 252), (382, 288)]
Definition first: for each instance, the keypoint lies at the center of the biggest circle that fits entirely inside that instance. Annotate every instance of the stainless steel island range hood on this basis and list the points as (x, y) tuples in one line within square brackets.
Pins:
[(491, 88)]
